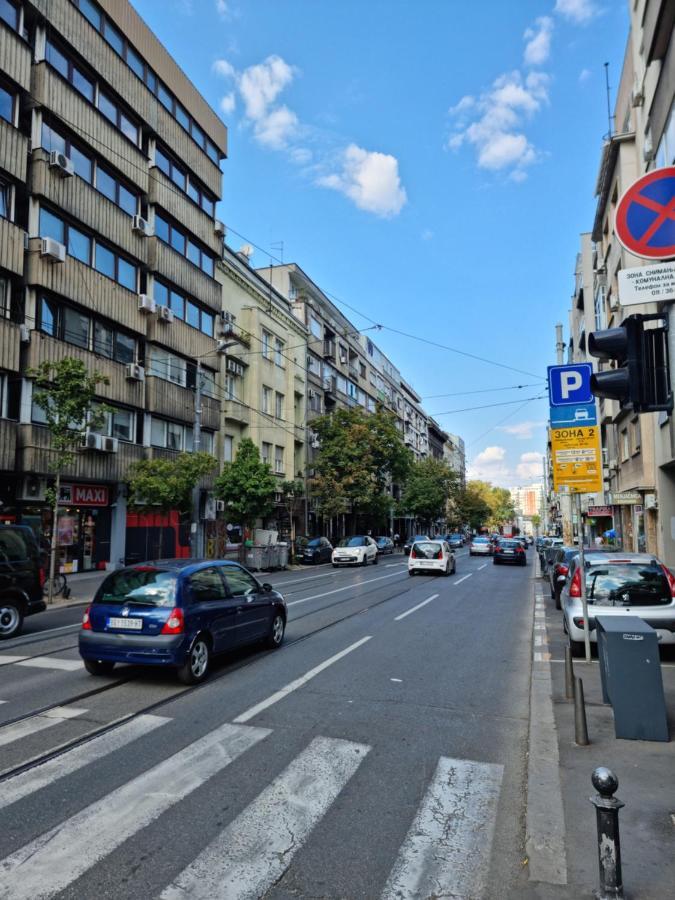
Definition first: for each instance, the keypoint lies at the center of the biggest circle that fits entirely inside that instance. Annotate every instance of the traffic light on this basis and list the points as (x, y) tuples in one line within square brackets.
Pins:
[(641, 377)]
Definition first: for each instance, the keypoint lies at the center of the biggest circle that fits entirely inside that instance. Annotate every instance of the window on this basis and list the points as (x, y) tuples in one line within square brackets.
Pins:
[(279, 406), (105, 261), (267, 400), (192, 316), (208, 383), (76, 328), (90, 11), (51, 226), (315, 327), (118, 423), (266, 453), (79, 245), (175, 436), (207, 442), (83, 330), (4, 200), (228, 448), (266, 344), (231, 387), (279, 460), (172, 235), (278, 351), (68, 70), (182, 179), (9, 12), (624, 444), (636, 435), (240, 583), (207, 585), (167, 366), (184, 308), (5, 308)]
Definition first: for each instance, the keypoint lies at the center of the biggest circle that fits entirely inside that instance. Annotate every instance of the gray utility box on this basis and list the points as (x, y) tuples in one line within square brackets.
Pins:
[(630, 669)]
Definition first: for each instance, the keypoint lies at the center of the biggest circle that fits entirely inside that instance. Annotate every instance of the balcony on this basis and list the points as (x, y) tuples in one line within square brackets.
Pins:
[(13, 151), (11, 246), (15, 57), (35, 455), (179, 270), (164, 193), (235, 411), (10, 345), (8, 431), (330, 388), (353, 372), (329, 349), (168, 399)]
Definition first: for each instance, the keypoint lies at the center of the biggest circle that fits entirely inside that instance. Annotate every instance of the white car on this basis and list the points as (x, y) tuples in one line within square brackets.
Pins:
[(481, 546), (431, 556), (358, 550)]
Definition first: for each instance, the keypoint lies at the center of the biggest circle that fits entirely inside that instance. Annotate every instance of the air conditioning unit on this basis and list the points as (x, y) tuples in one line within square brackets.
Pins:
[(53, 250), (612, 465), (91, 441), (219, 228), (109, 444), (134, 372), (141, 225), (164, 314), (146, 304), (225, 322), (651, 501), (220, 506), (24, 334), (32, 488), (61, 163), (235, 367)]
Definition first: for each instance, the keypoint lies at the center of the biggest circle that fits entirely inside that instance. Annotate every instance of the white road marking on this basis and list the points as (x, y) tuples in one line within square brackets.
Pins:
[(26, 727), (540, 640), (46, 866), (347, 587), (51, 662), (4, 701), (484, 566), (398, 680), (298, 683), (41, 776), (446, 852), (254, 850), (9, 660), (460, 580), (415, 608)]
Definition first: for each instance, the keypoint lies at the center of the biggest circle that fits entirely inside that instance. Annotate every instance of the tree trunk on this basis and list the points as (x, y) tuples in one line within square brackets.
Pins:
[(55, 535)]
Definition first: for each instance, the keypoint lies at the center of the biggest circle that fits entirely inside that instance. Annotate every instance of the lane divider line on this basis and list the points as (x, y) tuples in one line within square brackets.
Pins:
[(484, 566), (415, 608), (347, 587), (298, 683), (459, 581)]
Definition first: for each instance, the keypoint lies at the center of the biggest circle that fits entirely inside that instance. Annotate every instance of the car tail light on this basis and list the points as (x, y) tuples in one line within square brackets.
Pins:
[(519, 550), (42, 576), (562, 570), (175, 624), (86, 620), (439, 555), (671, 580), (575, 586), (497, 550), (413, 555), (579, 623)]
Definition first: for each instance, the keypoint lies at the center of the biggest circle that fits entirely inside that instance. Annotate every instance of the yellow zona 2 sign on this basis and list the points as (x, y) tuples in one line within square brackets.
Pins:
[(577, 459)]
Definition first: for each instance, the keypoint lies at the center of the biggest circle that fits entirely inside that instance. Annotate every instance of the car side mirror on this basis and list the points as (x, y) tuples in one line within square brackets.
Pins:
[(267, 587)]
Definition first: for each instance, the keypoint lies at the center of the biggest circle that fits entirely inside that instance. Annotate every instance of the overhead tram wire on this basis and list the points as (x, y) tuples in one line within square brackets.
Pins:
[(508, 416), (487, 406), (512, 387)]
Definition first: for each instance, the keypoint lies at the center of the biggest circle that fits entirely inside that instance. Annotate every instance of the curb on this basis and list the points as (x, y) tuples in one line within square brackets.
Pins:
[(545, 816)]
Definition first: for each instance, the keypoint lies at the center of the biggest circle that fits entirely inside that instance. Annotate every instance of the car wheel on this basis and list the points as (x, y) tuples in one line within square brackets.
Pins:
[(578, 648), (196, 666), (11, 619), (364, 561), (376, 560), (558, 604), (411, 572), (99, 666), (447, 572), (277, 628), (454, 568)]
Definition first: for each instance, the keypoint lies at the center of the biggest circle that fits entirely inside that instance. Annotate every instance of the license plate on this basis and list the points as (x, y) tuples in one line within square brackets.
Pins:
[(128, 624), (427, 562), (508, 553), (343, 559)]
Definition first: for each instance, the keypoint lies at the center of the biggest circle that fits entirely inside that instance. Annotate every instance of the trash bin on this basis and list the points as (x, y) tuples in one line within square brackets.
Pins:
[(630, 671)]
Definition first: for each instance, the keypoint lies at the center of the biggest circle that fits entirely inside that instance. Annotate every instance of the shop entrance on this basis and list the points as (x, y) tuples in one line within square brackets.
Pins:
[(84, 538)]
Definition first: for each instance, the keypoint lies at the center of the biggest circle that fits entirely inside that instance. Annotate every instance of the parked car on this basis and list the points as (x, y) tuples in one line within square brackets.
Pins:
[(21, 579), (523, 542), (411, 540), (548, 551), (431, 556), (178, 613), (480, 546), (384, 545), (558, 571), (455, 541), (358, 550), (317, 550), (628, 584), (509, 551)]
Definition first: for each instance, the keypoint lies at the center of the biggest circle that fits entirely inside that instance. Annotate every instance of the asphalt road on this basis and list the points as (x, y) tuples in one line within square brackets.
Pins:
[(379, 754)]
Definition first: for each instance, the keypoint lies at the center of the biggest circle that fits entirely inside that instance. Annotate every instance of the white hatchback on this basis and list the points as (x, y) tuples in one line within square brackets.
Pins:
[(358, 550), (431, 556)]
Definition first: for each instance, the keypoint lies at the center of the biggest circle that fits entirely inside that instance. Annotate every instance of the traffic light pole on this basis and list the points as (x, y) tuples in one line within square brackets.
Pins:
[(582, 566)]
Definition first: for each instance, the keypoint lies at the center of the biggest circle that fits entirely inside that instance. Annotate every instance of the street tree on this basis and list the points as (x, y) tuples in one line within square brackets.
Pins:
[(536, 522), (472, 504), (66, 393), (161, 485), (360, 453), (431, 483), (247, 486), (293, 493)]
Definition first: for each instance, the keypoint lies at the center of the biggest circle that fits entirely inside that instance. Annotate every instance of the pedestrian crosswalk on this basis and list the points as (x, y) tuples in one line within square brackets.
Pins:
[(446, 851), (41, 662)]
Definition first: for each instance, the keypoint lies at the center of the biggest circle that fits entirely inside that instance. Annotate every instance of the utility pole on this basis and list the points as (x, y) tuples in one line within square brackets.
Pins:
[(196, 447), (559, 344), (582, 567)]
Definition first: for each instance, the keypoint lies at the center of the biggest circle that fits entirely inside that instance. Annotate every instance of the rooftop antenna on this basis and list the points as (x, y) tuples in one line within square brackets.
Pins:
[(279, 247), (610, 117)]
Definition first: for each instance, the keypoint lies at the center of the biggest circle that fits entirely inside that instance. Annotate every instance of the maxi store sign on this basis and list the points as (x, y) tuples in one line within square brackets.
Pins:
[(575, 437)]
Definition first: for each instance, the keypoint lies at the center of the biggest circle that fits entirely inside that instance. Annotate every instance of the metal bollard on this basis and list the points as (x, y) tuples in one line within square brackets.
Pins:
[(607, 808), (580, 724), (569, 674)]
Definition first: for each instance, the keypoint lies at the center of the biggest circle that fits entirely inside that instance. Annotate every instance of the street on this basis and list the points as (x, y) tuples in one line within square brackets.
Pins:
[(380, 753)]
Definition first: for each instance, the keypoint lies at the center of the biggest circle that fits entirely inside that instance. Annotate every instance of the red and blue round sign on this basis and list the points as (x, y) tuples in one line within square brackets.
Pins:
[(645, 216)]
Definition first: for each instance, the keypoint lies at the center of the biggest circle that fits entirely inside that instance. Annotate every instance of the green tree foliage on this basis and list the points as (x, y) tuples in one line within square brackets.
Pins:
[(484, 505), (359, 453), (293, 493), (247, 486), (161, 485), (431, 483), (66, 392)]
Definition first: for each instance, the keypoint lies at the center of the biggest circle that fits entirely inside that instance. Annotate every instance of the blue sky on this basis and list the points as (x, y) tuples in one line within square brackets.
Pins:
[(430, 164)]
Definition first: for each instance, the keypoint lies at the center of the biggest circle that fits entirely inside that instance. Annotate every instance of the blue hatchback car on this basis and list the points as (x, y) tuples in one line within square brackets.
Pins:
[(178, 613)]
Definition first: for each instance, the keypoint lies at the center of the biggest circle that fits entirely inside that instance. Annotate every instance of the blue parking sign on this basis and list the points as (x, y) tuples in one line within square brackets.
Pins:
[(570, 385)]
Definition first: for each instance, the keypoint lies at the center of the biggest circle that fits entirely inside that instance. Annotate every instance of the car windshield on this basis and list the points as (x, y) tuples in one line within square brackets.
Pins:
[(382, 540), (455, 537), (352, 542), (143, 585), (428, 549), (509, 545), (481, 541), (315, 542), (627, 584)]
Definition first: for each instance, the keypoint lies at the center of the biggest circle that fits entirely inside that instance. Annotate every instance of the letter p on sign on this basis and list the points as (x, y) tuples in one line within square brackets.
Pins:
[(570, 385)]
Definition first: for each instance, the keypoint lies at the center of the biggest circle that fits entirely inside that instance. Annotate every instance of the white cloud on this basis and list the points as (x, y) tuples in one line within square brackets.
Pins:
[(261, 84), (530, 466), (370, 179), (224, 68), (522, 430), (222, 8), (538, 47), (228, 103), (301, 155), (494, 124), (467, 102), (584, 75), (577, 11), (492, 465), (427, 234), (276, 128)]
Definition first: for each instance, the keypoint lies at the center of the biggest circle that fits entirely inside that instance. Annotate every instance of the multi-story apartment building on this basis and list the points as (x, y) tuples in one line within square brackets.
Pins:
[(437, 439), (454, 453), (109, 176), (415, 422), (263, 373)]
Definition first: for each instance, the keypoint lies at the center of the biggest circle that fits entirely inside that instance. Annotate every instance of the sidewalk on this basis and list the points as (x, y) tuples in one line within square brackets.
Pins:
[(645, 769)]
